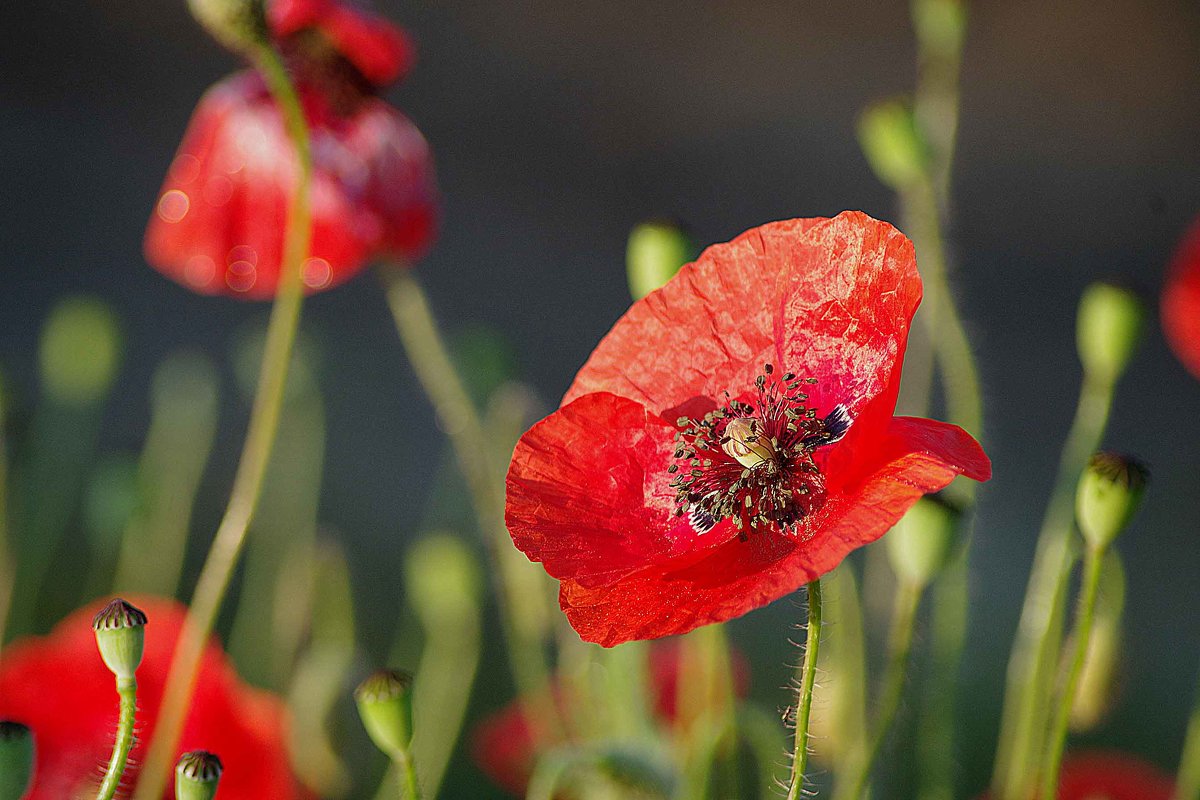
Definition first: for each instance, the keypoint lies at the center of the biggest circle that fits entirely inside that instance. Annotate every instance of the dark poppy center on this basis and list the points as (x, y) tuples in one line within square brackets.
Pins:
[(752, 463)]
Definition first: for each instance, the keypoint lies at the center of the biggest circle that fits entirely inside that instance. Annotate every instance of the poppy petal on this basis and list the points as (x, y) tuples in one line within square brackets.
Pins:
[(1181, 301), (379, 50)]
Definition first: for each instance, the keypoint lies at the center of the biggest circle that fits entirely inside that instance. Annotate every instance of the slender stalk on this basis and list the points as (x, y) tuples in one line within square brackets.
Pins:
[(430, 358), (256, 453), (7, 569), (804, 692), (406, 773), (1187, 785), (1093, 563), (1029, 682), (127, 691), (904, 615)]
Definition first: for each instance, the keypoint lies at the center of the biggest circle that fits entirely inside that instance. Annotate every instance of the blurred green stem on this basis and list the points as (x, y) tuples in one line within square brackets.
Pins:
[(460, 420), (127, 692), (1039, 636), (1093, 561), (256, 453), (853, 784), (804, 692), (1187, 785), (7, 573)]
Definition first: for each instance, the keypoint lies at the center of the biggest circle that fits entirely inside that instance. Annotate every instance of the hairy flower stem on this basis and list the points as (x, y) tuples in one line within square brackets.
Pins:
[(1031, 666), (853, 784), (127, 691), (1187, 784), (256, 452), (430, 358), (1093, 562), (804, 692)]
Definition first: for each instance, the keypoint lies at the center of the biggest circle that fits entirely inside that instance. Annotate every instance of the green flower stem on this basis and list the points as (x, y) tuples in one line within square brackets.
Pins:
[(127, 691), (459, 418), (7, 569), (256, 453), (1038, 642), (406, 774), (1187, 784), (1093, 563), (804, 692), (904, 616)]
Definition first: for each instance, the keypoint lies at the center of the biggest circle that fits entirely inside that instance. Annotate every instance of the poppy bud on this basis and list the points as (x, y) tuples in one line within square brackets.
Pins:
[(888, 135), (940, 24), (79, 351), (655, 252), (120, 636), (920, 544), (240, 25), (16, 760), (1108, 328), (196, 775), (442, 580), (385, 705), (1110, 491)]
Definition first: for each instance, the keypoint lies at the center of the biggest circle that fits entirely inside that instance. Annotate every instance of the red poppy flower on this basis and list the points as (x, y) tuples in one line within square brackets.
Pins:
[(1105, 775), (506, 745), (377, 49), (58, 686), (732, 437), (1181, 301)]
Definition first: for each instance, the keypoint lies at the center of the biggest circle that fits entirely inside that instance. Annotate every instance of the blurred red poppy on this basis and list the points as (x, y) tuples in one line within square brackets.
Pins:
[(506, 745), (377, 49), (58, 686), (1181, 301), (1101, 775), (732, 437)]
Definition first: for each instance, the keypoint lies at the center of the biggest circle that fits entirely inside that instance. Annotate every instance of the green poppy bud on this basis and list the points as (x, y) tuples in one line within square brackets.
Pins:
[(16, 760), (655, 252), (1109, 494), (385, 705), (196, 775), (442, 580), (1108, 327), (120, 636), (79, 351), (895, 149), (940, 25), (240, 25), (921, 542)]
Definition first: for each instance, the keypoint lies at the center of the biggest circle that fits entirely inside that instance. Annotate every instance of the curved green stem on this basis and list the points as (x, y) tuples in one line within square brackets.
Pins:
[(804, 693), (904, 616), (406, 771), (431, 361), (1093, 562), (1187, 784), (127, 691), (256, 453), (1030, 678)]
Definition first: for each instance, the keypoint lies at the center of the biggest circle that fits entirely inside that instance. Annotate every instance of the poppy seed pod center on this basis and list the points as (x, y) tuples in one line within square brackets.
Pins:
[(752, 463)]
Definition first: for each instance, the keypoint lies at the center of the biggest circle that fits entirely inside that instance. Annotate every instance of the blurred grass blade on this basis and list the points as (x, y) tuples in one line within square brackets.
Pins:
[(111, 499)]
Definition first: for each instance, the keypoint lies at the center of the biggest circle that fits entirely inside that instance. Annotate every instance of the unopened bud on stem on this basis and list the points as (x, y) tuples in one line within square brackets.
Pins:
[(655, 252), (240, 25), (16, 760), (921, 542), (1110, 492), (196, 775), (1108, 328), (385, 705), (120, 636), (895, 149)]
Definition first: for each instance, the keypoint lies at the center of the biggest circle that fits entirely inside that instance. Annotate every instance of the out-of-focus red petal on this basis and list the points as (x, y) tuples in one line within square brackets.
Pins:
[(678, 593), (58, 686), (219, 223), (379, 50), (1181, 301), (829, 299), (1102, 775)]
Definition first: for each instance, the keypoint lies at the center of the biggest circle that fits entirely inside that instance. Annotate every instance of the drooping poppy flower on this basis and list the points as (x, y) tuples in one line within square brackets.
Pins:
[(219, 223), (1181, 301), (506, 745), (58, 686), (732, 437)]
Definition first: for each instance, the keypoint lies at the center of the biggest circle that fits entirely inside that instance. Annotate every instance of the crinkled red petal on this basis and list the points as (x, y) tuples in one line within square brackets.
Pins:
[(219, 223), (830, 299), (588, 496), (379, 50), (1181, 301), (58, 686)]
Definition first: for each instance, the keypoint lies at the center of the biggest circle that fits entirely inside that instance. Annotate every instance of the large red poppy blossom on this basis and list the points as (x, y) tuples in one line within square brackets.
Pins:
[(58, 686), (732, 437), (219, 222), (506, 745), (377, 49), (1181, 301)]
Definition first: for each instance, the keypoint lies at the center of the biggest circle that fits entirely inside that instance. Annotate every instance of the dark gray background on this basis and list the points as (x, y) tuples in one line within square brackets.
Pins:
[(557, 126)]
